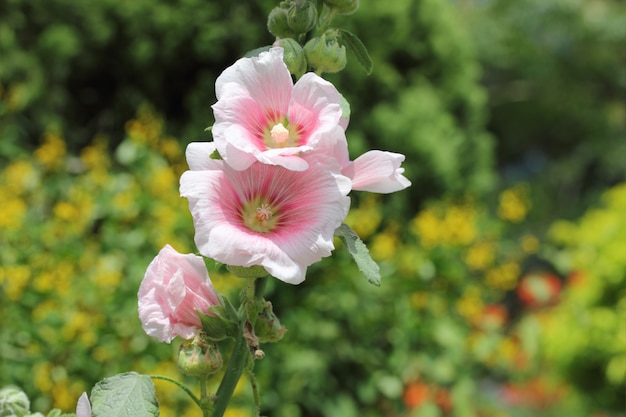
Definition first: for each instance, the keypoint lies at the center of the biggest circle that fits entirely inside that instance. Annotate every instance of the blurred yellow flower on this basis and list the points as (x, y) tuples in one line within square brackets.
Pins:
[(65, 211), (20, 176), (470, 305), (514, 203), (503, 277), (384, 245), (51, 154), (459, 225), (163, 181), (95, 156), (365, 218), (445, 225), (237, 412), (170, 148), (14, 278), (480, 255), (530, 244), (41, 376), (427, 226), (145, 128), (13, 212)]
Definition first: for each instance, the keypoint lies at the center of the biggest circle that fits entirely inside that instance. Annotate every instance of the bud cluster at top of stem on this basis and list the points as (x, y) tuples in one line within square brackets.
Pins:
[(325, 54), (292, 18)]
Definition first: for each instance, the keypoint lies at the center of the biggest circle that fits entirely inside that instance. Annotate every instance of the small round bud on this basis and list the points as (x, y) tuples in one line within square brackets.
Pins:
[(343, 6), (325, 54), (259, 354), (14, 402), (268, 327), (199, 357), (302, 16), (277, 23), (293, 56)]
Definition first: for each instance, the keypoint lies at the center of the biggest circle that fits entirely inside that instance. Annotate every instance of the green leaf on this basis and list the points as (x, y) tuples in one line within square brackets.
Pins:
[(359, 252), (124, 395), (356, 47)]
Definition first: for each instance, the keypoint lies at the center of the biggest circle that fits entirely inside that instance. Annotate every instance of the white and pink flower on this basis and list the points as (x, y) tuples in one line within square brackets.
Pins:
[(173, 289), (265, 215), (260, 115)]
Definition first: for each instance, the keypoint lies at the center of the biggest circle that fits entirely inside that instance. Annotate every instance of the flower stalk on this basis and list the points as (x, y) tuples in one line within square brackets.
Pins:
[(241, 354)]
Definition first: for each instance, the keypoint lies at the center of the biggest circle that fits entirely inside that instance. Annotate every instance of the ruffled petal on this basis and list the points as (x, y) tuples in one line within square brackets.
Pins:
[(377, 172)]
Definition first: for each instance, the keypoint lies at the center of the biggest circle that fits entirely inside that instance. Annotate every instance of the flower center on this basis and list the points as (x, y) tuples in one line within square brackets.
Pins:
[(263, 213), (281, 135), (259, 217)]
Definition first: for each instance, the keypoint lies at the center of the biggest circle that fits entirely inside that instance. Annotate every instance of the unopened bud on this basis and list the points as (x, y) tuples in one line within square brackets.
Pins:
[(325, 54), (199, 357), (293, 56), (343, 6), (302, 16), (14, 401), (268, 328), (277, 22)]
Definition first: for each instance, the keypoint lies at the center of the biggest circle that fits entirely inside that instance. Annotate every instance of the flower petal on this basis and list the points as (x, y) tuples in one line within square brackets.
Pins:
[(198, 155), (378, 172), (83, 408)]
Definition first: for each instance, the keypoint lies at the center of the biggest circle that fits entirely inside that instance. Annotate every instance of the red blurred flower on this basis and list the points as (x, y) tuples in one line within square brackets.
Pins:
[(416, 394), (494, 317), (539, 289)]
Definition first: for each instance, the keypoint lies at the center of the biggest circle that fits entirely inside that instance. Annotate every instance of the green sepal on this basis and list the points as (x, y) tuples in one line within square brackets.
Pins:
[(215, 155), (124, 395), (217, 326), (360, 253), (354, 45)]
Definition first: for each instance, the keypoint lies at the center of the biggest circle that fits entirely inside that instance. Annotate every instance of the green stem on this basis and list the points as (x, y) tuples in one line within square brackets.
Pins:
[(207, 405), (255, 393), (241, 351), (180, 385), (259, 288), (233, 372)]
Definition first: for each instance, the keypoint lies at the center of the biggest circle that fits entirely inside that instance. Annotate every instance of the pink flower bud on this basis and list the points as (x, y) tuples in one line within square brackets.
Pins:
[(174, 287)]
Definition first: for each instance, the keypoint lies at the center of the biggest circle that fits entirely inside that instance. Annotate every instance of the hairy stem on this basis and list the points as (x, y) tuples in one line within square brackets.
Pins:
[(180, 385)]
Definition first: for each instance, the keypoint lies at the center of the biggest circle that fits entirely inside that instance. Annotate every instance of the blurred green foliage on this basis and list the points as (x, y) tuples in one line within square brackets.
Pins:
[(556, 81), (511, 116)]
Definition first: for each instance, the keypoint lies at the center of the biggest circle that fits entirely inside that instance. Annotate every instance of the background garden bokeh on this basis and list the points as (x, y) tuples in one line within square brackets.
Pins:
[(504, 265)]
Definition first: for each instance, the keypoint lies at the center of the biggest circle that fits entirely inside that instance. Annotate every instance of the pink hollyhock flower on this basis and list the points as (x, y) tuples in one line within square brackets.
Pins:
[(174, 287), (83, 408), (265, 215), (260, 115)]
